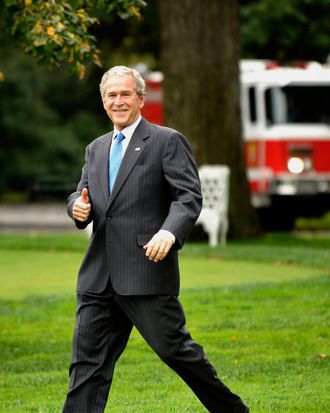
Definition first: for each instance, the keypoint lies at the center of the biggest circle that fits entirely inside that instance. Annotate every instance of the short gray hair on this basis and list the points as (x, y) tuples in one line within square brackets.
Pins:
[(122, 71)]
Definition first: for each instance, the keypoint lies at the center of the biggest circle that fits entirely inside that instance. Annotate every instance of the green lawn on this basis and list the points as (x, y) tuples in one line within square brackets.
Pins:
[(260, 309)]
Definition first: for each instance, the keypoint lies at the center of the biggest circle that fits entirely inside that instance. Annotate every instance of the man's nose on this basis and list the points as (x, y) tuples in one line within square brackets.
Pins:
[(118, 99)]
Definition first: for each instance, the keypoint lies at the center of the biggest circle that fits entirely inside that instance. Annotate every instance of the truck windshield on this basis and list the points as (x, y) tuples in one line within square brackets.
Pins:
[(298, 104)]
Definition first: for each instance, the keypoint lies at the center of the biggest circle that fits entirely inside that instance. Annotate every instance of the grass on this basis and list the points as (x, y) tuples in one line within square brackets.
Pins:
[(260, 308), (321, 223)]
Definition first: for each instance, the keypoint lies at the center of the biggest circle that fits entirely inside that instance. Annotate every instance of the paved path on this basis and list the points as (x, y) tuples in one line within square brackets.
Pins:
[(34, 217)]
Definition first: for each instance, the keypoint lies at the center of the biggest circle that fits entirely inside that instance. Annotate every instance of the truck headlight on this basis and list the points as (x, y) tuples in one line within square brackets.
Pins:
[(295, 165)]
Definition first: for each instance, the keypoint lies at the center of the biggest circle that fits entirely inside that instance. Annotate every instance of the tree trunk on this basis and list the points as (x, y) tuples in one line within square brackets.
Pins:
[(200, 55)]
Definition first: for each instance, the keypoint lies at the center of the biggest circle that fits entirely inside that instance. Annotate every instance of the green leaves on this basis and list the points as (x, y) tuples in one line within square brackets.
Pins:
[(285, 30), (57, 31), (124, 8)]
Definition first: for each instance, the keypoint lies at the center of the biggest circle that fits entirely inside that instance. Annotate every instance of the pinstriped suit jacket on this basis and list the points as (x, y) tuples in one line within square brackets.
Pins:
[(157, 187)]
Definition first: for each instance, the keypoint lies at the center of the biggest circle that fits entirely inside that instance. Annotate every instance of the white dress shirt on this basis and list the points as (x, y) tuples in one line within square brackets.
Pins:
[(127, 132)]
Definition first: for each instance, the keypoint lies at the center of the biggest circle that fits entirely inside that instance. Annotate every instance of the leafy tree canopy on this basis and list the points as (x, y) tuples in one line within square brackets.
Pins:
[(285, 30), (56, 31)]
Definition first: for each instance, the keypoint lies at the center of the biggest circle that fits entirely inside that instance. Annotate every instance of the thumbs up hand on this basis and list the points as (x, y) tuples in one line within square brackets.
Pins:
[(82, 208), (84, 196)]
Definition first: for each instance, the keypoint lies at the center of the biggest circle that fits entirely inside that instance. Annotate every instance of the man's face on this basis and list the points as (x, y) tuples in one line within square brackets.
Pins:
[(121, 102)]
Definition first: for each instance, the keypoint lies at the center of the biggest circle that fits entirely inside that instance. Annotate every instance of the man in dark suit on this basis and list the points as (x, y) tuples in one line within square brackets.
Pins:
[(140, 187)]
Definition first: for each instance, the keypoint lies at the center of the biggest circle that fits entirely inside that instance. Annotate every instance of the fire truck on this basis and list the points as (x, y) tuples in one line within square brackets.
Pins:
[(286, 129)]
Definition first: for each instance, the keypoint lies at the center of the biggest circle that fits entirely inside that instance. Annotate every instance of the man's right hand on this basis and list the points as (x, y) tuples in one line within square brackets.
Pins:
[(82, 208)]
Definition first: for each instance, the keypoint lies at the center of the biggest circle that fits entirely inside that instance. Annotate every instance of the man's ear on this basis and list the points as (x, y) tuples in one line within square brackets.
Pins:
[(142, 100)]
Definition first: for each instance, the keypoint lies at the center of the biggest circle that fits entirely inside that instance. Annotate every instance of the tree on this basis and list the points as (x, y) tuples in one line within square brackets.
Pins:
[(43, 132), (200, 54), (285, 30), (56, 31)]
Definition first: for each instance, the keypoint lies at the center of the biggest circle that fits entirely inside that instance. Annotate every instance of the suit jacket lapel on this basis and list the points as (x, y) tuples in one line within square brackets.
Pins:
[(132, 154), (102, 160)]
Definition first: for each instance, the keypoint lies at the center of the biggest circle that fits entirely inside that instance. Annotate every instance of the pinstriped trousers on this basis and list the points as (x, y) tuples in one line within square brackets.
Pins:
[(103, 325)]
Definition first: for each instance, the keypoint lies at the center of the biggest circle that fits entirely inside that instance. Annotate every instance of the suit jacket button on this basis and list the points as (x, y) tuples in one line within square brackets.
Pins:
[(108, 218)]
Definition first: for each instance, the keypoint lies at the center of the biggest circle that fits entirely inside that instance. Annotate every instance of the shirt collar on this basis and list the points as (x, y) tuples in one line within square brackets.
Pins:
[(129, 130)]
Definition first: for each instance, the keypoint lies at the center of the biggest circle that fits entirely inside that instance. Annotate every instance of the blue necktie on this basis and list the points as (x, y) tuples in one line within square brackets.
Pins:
[(115, 159)]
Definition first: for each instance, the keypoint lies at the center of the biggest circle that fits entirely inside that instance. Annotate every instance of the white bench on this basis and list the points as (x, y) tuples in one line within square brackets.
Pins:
[(215, 190)]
